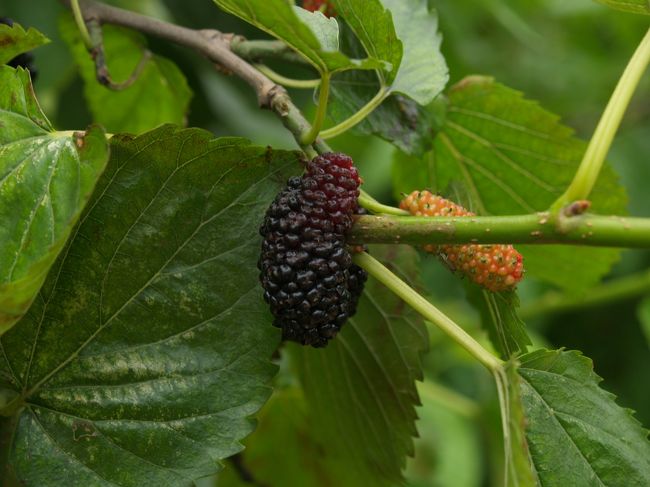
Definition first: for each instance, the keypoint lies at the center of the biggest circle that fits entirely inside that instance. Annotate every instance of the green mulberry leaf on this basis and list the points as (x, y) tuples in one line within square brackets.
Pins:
[(46, 178), (15, 40), (576, 433), (148, 348)]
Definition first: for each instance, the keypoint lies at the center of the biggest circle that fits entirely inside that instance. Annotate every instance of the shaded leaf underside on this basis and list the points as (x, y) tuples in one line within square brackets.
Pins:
[(46, 178)]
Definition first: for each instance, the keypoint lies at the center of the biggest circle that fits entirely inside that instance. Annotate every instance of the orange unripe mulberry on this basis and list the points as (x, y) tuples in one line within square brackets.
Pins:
[(495, 267)]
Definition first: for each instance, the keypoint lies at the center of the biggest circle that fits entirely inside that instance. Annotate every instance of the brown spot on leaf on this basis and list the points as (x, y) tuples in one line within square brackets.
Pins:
[(6, 41), (83, 429)]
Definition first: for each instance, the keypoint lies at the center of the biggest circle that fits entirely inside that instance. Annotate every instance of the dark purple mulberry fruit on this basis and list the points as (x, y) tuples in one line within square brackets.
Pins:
[(309, 280), (26, 59)]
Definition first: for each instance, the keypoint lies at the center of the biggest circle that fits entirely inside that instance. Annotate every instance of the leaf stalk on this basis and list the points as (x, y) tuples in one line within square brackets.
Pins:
[(363, 112), (369, 203), (284, 81), (601, 141), (321, 110), (81, 23), (427, 310)]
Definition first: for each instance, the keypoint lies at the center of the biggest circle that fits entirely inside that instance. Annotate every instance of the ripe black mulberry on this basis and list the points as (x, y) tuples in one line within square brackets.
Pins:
[(309, 280)]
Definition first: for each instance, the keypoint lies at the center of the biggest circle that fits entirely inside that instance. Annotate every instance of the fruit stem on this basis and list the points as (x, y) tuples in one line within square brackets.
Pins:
[(370, 203), (288, 82), (427, 310), (321, 110), (81, 24), (594, 157), (363, 112)]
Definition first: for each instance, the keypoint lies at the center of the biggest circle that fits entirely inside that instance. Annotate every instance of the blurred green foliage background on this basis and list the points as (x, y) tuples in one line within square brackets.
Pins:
[(566, 55)]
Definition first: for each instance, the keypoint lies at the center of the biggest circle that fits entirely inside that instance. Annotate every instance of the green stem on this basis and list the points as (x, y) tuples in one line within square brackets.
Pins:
[(289, 82), (620, 289), (81, 24), (293, 121), (369, 203), (321, 110), (427, 310), (363, 112), (585, 178), (540, 228)]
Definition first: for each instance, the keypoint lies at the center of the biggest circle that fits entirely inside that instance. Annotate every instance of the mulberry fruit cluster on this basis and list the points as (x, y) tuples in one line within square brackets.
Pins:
[(324, 6), (26, 59), (309, 280), (495, 267)]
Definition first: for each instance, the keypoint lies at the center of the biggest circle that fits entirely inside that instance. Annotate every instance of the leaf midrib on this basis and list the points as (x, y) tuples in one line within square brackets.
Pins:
[(30, 120), (106, 437), (32, 214), (489, 145), (103, 326), (161, 378), (562, 427), (64, 258)]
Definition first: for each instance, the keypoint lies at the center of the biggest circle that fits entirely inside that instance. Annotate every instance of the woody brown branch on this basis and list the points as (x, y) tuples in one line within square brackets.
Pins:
[(216, 47)]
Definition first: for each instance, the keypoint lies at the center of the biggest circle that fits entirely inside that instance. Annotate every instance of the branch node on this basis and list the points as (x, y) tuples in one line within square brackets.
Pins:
[(215, 35), (97, 54), (277, 100)]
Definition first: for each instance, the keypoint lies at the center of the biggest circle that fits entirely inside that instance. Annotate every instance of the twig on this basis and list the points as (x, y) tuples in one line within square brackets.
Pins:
[(101, 69), (216, 46), (536, 228), (210, 43)]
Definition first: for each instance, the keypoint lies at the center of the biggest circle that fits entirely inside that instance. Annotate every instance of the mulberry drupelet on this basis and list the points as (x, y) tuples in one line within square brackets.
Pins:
[(309, 280)]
